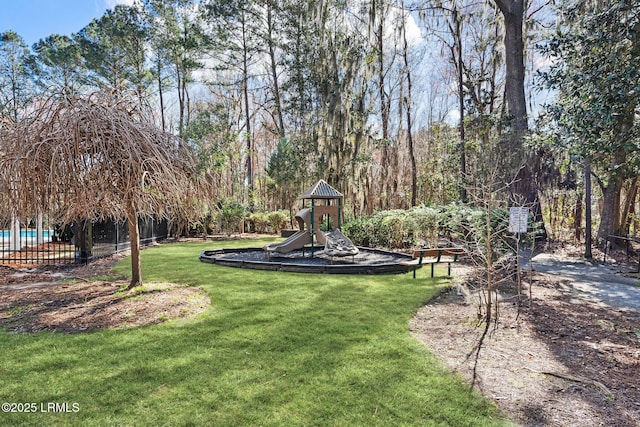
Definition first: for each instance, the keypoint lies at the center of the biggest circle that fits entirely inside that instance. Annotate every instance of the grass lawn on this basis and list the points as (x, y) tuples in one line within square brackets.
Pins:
[(274, 349)]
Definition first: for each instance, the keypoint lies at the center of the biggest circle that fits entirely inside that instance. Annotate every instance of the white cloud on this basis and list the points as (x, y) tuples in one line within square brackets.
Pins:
[(414, 36), (412, 30), (113, 3), (453, 117)]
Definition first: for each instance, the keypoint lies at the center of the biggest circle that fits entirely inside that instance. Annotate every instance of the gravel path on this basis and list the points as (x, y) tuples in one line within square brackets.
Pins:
[(592, 281)]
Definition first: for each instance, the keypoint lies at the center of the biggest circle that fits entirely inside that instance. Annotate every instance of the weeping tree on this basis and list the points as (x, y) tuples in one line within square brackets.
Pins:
[(95, 157)]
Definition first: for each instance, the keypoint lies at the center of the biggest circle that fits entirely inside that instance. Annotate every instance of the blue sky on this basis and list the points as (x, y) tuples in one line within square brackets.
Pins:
[(37, 19)]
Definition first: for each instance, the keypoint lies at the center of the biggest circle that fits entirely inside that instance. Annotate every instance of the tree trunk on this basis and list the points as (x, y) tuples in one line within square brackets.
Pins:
[(247, 115), (513, 12), (379, 32), (180, 90), (378, 13), (160, 95), (587, 210), (525, 184), (633, 219), (610, 217), (459, 65), (577, 218), (625, 218), (274, 71), (412, 154), (489, 248), (134, 238)]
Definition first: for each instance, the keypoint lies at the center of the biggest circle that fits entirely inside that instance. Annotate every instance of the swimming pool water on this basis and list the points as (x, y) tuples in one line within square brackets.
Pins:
[(26, 234)]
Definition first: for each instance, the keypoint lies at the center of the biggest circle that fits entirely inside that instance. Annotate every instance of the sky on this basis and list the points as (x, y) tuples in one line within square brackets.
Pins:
[(37, 19)]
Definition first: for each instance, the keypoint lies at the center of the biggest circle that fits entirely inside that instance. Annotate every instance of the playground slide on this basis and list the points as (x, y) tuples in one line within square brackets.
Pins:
[(297, 240), (293, 242)]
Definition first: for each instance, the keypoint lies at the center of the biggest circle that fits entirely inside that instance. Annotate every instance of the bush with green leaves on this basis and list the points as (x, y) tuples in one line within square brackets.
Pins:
[(426, 226), (260, 221), (359, 230), (426, 220), (273, 222), (278, 220), (230, 213)]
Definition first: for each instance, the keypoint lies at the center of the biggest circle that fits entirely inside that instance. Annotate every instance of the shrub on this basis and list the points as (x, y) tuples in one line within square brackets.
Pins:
[(380, 230), (359, 231), (278, 220), (425, 226), (260, 221), (230, 213), (401, 228)]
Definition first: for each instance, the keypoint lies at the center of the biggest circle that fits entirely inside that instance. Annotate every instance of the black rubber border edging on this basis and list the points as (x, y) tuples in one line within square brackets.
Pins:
[(216, 257)]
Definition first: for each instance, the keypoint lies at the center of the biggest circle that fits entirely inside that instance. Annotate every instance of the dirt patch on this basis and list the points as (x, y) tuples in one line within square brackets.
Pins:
[(558, 361), (86, 298)]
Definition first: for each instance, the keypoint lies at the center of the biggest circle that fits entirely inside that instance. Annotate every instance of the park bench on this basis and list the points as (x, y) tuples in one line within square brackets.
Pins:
[(436, 256)]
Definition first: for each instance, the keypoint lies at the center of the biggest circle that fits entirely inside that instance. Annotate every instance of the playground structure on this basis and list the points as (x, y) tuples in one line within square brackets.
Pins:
[(316, 245), (311, 219)]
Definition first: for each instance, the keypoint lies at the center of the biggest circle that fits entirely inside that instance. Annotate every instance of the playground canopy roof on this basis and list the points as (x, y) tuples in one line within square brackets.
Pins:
[(322, 190)]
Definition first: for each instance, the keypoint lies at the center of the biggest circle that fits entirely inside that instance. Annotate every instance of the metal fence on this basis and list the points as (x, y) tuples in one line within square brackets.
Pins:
[(32, 244), (37, 242)]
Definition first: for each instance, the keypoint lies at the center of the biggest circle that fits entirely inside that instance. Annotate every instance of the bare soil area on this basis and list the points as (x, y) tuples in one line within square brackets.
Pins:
[(80, 299), (555, 360)]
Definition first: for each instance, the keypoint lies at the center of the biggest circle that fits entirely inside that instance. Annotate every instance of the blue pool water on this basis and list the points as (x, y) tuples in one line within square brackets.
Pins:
[(26, 234)]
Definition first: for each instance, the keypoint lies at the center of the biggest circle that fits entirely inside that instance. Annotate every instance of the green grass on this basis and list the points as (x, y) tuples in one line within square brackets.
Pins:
[(274, 349)]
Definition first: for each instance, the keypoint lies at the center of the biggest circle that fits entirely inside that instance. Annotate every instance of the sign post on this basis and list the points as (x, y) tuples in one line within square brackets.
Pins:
[(518, 220)]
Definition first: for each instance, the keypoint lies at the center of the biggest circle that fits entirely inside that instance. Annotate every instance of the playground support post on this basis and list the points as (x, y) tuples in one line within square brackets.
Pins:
[(313, 225)]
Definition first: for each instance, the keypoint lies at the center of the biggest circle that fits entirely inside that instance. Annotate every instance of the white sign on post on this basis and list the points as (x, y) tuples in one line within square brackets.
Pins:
[(518, 219)]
